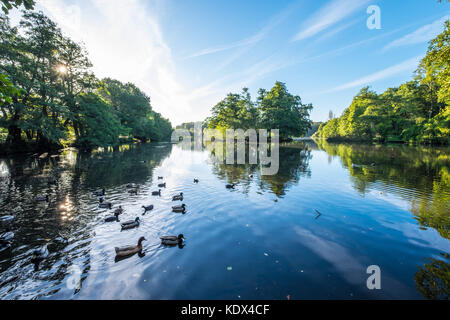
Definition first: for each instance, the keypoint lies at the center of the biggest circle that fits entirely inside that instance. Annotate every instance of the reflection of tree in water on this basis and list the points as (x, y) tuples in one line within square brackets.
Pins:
[(433, 279), (293, 164), (66, 215), (133, 163), (421, 169)]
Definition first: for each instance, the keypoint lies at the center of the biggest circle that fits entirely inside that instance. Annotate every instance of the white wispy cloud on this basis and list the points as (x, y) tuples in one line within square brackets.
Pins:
[(408, 65), (327, 16), (125, 42), (423, 34), (254, 39)]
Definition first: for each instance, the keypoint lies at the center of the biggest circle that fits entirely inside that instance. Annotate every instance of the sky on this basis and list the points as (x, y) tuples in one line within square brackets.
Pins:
[(187, 55)]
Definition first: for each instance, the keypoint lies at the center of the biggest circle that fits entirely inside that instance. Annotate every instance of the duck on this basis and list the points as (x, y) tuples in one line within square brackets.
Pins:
[(42, 198), (172, 240), (104, 205), (99, 193), (230, 186), (160, 178), (40, 253), (133, 191), (181, 208), (156, 193), (131, 185), (5, 221), (178, 197), (250, 176), (195, 180), (147, 208), (119, 210), (113, 218), (130, 224), (162, 185), (129, 250)]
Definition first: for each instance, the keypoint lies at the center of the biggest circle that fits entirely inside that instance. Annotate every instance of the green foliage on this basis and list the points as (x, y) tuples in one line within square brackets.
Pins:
[(276, 109), (7, 90), (417, 111), (96, 126), (50, 97), (236, 111), (433, 280), (134, 110), (9, 4)]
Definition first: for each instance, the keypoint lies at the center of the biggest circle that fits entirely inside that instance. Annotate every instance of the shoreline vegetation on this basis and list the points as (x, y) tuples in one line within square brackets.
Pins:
[(415, 112), (50, 98)]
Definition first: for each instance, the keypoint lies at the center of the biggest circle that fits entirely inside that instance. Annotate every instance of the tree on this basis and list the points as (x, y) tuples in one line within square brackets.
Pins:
[(49, 96), (133, 108), (416, 111), (281, 110), (236, 111), (9, 4)]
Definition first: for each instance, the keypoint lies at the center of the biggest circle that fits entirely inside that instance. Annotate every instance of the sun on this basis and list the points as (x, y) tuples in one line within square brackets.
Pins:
[(62, 69)]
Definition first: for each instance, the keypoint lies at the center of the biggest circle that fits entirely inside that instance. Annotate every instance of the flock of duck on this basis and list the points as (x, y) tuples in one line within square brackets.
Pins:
[(7, 235), (131, 224)]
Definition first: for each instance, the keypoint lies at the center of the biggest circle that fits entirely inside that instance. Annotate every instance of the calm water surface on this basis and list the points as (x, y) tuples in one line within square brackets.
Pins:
[(262, 240)]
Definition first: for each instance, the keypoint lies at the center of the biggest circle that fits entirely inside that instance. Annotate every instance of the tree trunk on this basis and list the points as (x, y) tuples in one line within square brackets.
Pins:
[(14, 137)]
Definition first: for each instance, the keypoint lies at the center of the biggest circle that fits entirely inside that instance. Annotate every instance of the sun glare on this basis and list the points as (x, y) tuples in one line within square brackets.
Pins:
[(62, 69)]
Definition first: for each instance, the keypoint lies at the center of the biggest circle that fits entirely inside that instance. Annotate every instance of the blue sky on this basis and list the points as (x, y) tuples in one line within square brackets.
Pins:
[(187, 55)]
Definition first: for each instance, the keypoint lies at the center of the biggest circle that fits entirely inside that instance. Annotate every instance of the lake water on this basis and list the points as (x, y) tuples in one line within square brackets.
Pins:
[(262, 240)]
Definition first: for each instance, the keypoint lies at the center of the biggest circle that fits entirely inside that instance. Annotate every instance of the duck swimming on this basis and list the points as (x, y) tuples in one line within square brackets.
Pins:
[(195, 180), (130, 224), (42, 198), (162, 185), (114, 218), (160, 178), (41, 253), (181, 208), (133, 191), (178, 197), (104, 205), (172, 240), (131, 185), (130, 250), (230, 186), (99, 193), (119, 210), (156, 193), (147, 208)]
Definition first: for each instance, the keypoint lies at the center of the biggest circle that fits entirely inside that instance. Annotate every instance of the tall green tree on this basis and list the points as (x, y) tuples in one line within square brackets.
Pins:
[(281, 110)]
